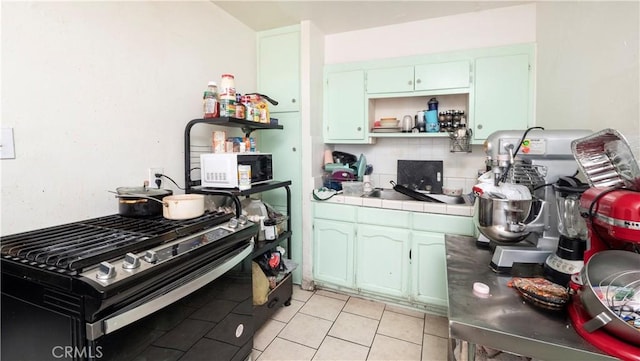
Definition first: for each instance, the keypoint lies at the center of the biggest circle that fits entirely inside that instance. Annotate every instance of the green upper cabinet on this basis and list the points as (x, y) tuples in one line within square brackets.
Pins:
[(449, 75), (390, 80), (503, 95), (344, 107), (446, 75), (279, 67)]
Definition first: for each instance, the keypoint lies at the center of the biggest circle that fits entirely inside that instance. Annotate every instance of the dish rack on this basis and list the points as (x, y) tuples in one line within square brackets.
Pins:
[(460, 141)]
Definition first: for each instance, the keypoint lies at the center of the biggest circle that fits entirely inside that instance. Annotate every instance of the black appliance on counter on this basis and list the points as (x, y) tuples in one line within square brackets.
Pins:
[(421, 175), (122, 288)]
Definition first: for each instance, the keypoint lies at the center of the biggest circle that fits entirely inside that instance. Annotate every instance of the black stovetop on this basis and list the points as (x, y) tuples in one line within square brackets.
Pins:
[(69, 248)]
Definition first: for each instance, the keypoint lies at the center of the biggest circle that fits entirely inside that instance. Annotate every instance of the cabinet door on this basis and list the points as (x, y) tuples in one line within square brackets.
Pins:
[(279, 69), (502, 94), (382, 259), (344, 112), (429, 268), (333, 243), (448, 75), (285, 146), (390, 80)]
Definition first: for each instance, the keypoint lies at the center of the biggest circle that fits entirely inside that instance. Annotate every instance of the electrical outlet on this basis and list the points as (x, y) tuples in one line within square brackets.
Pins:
[(152, 177)]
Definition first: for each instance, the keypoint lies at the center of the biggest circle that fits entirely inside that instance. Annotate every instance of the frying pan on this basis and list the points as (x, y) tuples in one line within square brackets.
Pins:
[(413, 194)]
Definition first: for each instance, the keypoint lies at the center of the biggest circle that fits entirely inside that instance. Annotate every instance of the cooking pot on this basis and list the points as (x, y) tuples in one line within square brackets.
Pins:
[(135, 201), (183, 206), (607, 273)]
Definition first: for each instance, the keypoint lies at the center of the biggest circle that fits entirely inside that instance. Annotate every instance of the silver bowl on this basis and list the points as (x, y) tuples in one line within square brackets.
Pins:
[(609, 268), (503, 220)]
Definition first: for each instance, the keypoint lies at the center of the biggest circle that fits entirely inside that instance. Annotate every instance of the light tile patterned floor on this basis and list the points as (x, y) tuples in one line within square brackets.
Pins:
[(324, 325)]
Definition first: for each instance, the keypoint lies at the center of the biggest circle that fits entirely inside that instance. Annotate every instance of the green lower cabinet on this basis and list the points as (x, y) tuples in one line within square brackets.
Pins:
[(333, 257), (428, 268), (382, 260)]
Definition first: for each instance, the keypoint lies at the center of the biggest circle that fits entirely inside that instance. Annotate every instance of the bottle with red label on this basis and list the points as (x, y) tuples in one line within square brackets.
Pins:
[(211, 104)]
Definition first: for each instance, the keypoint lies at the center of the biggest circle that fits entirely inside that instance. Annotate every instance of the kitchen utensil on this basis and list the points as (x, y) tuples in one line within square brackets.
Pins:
[(407, 124), (388, 122), (341, 175), (413, 194), (331, 167), (615, 275), (606, 160), (344, 158), (176, 207), (568, 257), (506, 220), (134, 201), (183, 206), (361, 166), (386, 130)]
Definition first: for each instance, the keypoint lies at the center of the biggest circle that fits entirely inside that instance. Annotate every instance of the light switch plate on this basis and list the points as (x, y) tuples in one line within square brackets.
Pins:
[(7, 147)]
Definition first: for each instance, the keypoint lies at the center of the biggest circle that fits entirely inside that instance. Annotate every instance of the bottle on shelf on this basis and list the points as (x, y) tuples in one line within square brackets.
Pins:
[(211, 102)]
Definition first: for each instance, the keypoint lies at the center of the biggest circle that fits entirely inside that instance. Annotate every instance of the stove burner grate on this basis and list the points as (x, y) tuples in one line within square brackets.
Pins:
[(74, 246)]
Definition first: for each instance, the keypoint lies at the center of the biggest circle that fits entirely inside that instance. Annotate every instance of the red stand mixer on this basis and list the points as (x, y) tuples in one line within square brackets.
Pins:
[(612, 211)]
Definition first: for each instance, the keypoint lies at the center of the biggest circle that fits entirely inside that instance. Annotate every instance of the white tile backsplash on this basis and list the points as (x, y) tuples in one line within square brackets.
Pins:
[(460, 169)]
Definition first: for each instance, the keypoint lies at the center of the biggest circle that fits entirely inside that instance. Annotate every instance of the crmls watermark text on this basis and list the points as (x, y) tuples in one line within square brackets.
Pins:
[(62, 352)]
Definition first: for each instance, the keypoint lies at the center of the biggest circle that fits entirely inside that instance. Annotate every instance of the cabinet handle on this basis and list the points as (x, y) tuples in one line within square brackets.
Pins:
[(293, 100), (410, 82), (479, 126), (359, 128), (418, 81), (293, 149)]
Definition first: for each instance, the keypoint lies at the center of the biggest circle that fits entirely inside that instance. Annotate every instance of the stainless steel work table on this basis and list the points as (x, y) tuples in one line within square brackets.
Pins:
[(503, 321)]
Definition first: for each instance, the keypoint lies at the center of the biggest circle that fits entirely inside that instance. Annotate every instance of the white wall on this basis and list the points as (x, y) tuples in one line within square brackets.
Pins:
[(488, 28), (97, 92), (588, 66)]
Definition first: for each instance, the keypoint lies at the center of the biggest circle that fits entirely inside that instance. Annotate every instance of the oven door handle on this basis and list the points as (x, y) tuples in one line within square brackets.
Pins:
[(109, 325)]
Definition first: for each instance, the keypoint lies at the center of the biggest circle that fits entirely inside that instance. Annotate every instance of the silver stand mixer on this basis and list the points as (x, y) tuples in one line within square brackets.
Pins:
[(515, 208)]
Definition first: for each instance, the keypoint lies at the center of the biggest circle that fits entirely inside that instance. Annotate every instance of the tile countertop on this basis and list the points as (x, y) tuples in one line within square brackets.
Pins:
[(409, 205)]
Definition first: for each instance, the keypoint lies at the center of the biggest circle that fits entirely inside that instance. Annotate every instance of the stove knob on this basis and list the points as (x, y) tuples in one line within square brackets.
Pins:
[(242, 219), (131, 261), (106, 271), (233, 223), (151, 257)]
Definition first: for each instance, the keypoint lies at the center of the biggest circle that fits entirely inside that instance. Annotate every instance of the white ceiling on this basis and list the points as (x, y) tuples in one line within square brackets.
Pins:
[(341, 16)]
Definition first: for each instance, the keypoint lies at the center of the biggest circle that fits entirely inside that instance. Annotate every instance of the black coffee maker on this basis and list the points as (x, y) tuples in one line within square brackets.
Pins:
[(569, 256)]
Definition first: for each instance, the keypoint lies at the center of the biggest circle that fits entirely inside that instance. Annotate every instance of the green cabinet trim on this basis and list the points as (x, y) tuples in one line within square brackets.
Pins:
[(338, 212), (383, 217)]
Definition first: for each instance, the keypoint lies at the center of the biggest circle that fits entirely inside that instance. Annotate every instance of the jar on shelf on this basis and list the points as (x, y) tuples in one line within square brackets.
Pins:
[(211, 105), (228, 85)]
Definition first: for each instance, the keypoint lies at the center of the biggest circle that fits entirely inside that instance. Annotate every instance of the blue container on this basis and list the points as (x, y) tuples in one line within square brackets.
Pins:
[(433, 126)]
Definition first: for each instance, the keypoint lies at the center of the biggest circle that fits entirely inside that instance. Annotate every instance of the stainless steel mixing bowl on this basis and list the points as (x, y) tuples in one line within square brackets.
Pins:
[(613, 268), (503, 220)]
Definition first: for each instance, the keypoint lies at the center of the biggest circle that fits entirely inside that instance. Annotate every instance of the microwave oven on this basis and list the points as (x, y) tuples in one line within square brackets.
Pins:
[(220, 170)]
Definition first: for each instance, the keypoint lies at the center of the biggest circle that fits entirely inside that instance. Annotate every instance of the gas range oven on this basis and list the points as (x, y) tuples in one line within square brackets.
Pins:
[(118, 288)]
